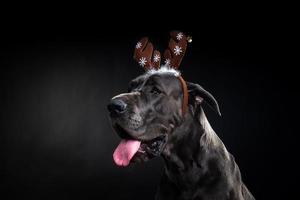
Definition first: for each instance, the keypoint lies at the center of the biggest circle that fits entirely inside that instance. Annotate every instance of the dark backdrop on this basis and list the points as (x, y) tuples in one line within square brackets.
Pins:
[(56, 79)]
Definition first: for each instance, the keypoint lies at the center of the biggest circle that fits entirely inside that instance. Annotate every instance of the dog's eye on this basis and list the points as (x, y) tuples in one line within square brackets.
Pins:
[(155, 91)]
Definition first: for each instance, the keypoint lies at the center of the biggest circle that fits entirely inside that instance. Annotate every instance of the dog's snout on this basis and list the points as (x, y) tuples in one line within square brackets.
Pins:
[(116, 106)]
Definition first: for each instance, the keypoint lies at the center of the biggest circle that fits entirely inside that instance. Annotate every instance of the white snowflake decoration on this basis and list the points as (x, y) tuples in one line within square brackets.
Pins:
[(167, 62), (177, 50), (156, 58), (142, 61), (138, 45), (179, 36)]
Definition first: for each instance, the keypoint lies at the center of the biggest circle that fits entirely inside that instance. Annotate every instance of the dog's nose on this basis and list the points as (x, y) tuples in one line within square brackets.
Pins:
[(116, 106)]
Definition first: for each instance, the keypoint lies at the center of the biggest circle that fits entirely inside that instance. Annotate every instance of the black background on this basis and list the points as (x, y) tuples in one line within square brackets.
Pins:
[(58, 75)]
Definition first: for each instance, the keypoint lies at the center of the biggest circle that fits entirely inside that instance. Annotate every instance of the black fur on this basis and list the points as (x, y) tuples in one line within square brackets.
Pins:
[(197, 164)]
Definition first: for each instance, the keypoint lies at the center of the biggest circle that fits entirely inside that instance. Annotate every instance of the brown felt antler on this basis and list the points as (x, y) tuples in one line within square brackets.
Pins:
[(173, 57), (176, 49), (148, 59), (145, 56)]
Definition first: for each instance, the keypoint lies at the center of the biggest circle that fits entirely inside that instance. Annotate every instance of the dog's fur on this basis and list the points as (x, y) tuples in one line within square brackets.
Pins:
[(197, 164)]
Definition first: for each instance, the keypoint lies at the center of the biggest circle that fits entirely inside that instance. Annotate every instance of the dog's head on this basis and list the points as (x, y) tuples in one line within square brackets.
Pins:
[(148, 113)]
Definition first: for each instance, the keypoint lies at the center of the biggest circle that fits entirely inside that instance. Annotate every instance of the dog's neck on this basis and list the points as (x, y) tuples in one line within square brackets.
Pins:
[(193, 152)]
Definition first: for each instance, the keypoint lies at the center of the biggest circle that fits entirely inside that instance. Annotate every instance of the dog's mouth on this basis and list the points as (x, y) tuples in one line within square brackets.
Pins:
[(134, 150)]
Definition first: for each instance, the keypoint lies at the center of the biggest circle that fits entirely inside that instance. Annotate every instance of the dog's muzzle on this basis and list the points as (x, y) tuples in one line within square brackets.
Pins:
[(126, 125), (116, 107)]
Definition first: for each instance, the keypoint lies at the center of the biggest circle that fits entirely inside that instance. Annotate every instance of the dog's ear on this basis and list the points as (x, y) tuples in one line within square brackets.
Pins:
[(198, 94)]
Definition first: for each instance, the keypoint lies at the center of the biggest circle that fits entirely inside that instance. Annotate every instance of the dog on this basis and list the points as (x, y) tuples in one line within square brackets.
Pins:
[(150, 121)]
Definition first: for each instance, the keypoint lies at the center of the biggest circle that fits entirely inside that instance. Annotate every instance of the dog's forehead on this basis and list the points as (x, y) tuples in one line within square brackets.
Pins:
[(163, 79), (167, 82)]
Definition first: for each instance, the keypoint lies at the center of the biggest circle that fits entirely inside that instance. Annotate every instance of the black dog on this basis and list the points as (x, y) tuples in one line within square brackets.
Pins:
[(161, 115), (149, 121)]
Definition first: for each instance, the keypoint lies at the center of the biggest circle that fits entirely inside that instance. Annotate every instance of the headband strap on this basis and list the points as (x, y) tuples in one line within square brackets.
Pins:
[(185, 98)]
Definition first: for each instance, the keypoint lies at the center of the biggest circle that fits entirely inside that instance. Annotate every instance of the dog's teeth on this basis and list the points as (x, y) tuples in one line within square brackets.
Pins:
[(141, 151)]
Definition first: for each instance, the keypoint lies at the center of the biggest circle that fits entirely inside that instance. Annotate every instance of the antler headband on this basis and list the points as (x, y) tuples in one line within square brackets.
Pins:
[(150, 59)]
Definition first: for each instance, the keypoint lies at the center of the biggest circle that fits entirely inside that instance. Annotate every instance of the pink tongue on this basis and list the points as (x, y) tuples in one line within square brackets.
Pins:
[(125, 151)]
